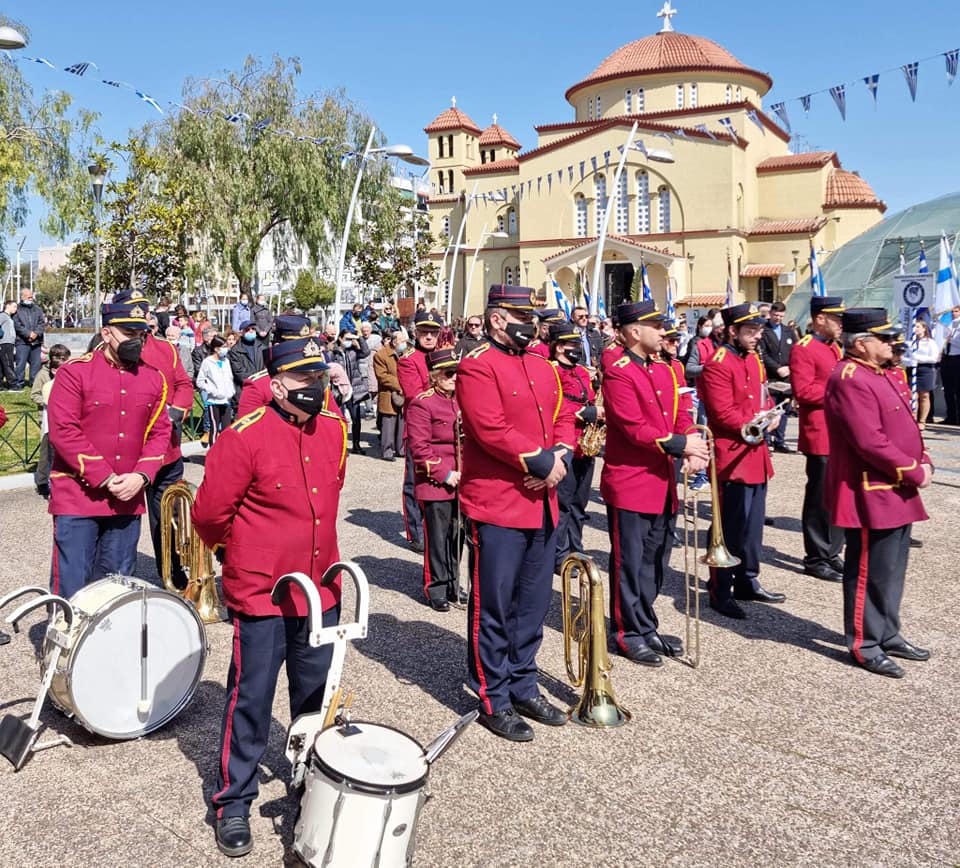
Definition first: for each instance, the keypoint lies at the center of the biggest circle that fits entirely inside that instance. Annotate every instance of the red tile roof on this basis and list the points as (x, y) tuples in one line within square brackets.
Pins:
[(849, 190), (669, 52), (510, 164), (443, 198), (802, 226), (792, 162), (452, 119), (704, 300), (497, 135), (762, 270), (626, 239)]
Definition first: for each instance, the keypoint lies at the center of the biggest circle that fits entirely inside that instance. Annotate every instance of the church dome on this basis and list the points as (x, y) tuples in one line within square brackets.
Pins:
[(668, 52)]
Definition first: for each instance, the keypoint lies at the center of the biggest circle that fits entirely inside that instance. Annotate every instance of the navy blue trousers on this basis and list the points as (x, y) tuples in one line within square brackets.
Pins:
[(88, 548), (743, 508), (260, 646), (412, 514), (573, 495), (26, 355), (640, 545), (512, 573)]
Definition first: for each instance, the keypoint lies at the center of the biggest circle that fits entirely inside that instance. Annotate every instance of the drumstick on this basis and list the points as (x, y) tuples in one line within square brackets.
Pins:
[(143, 706)]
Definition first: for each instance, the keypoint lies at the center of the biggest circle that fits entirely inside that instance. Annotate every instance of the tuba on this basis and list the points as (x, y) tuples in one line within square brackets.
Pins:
[(177, 534), (594, 434), (584, 626)]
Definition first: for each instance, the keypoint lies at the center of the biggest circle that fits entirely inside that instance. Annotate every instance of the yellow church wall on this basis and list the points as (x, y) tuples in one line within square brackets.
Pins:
[(789, 195)]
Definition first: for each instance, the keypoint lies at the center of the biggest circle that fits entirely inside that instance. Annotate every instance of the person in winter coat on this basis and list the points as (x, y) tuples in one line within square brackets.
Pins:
[(389, 394), (241, 313), (215, 380), (350, 321), (28, 322), (246, 357), (347, 352)]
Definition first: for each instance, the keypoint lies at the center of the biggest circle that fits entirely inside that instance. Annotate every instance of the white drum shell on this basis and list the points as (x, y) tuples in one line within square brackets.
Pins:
[(97, 679), (346, 822)]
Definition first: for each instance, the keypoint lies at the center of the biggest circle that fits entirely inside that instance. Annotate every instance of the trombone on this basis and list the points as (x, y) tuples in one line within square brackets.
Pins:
[(716, 555), (584, 627), (177, 534)]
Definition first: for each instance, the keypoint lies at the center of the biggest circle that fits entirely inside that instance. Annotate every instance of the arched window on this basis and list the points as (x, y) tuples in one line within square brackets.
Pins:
[(663, 208), (640, 101), (739, 94), (512, 221), (500, 223), (729, 94), (628, 101), (623, 206), (508, 276), (589, 109), (450, 180), (598, 107), (493, 156), (440, 147), (679, 96), (693, 96), (600, 200), (441, 182), (643, 203), (445, 293), (446, 226), (580, 207)]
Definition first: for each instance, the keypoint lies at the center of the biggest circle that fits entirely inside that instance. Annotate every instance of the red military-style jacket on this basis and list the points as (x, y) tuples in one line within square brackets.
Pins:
[(539, 348), (579, 397), (610, 354), (513, 419), (811, 362), (902, 381), (255, 393), (412, 373), (731, 385), (104, 419), (876, 450), (164, 358), (432, 431), (270, 494), (645, 433), (686, 411)]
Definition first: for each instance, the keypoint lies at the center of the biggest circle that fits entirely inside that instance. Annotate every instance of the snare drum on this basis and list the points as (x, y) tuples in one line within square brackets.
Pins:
[(364, 788), (100, 678)]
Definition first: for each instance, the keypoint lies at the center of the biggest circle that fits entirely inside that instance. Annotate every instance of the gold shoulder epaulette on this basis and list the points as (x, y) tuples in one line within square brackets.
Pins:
[(476, 352), (408, 352), (258, 375), (245, 422), (426, 394), (849, 369), (622, 362), (804, 340), (719, 355), (84, 358)]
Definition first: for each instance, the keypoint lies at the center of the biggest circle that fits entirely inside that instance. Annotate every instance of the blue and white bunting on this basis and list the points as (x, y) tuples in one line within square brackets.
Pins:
[(873, 83), (817, 286), (606, 161), (839, 94), (805, 102), (727, 124), (79, 68), (42, 60), (951, 58), (753, 116), (922, 267), (149, 100), (641, 147), (911, 72), (702, 128), (780, 110)]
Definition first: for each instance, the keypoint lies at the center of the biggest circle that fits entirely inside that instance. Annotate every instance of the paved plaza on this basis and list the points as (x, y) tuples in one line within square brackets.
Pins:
[(774, 752)]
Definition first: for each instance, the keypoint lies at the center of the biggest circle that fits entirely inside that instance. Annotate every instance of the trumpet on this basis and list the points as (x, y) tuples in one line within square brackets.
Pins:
[(585, 628), (594, 434), (177, 534), (716, 555), (753, 431)]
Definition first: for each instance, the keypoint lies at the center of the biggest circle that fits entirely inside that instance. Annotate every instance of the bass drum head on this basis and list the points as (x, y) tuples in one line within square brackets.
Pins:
[(104, 676), (371, 757)]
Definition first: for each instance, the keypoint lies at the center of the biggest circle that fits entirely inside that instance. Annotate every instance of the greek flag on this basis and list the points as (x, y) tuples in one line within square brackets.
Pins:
[(727, 124), (948, 294), (752, 115), (805, 102), (923, 268), (112, 83), (236, 117), (839, 94), (562, 302), (149, 100), (647, 294), (872, 82), (951, 58), (817, 286), (780, 110), (79, 68), (671, 310), (641, 147), (910, 72), (666, 136), (702, 128), (42, 60), (262, 125), (601, 308), (728, 301)]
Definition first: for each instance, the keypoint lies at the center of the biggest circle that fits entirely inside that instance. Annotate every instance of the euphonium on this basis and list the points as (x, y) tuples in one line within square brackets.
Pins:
[(177, 534), (585, 627), (594, 434)]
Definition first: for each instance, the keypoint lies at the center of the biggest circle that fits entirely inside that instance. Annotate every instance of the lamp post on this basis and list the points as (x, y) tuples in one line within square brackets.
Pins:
[(11, 38), (690, 260), (484, 235), (796, 268), (97, 176), (403, 152)]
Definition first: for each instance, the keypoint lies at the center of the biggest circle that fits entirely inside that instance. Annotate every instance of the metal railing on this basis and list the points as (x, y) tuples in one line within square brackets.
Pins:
[(19, 440)]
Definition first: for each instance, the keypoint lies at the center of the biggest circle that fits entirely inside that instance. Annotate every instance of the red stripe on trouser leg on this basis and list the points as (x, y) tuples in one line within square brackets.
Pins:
[(426, 554), (55, 566), (617, 614), (859, 602), (228, 729), (475, 627)]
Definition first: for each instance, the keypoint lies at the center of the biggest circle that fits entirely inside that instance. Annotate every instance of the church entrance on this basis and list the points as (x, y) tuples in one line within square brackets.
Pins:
[(619, 277)]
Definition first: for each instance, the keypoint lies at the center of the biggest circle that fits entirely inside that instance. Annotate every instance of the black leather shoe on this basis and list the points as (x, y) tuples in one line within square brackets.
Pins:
[(907, 651), (784, 449), (824, 571), (916, 543), (507, 724), (4, 638), (883, 665), (538, 709), (458, 600), (668, 646), (439, 605), (641, 653), (417, 546), (837, 563), (761, 595), (233, 836), (729, 608)]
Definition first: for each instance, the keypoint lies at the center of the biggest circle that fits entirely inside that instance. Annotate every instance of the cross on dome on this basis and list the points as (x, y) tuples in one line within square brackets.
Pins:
[(453, 101), (494, 118), (666, 14)]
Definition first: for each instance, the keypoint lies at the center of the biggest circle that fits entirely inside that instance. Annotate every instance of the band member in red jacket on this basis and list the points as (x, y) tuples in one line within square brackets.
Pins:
[(877, 467), (413, 377), (270, 494), (110, 433), (433, 434), (646, 432), (518, 441), (733, 387), (546, 317), (813, 359), (573, 492)]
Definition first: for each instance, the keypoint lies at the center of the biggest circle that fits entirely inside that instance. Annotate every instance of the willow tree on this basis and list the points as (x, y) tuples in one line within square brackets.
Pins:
[(260, 161), (43, 145)]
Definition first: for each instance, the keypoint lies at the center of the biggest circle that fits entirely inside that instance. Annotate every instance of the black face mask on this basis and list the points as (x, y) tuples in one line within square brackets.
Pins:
[(521, 333), (128, 351), (308, 399), (573, 356)]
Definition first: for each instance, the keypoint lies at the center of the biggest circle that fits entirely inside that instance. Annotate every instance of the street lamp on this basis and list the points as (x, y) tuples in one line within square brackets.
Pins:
[(11, 38), (402, 152), (690, 260), (97, 176), (484, 235), (796, 267)]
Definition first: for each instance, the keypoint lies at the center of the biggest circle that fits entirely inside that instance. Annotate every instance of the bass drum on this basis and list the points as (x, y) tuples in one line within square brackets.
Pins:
[(363, 791), (100, 679)]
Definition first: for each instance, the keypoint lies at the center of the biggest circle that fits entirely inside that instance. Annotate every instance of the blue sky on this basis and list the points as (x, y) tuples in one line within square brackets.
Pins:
[(401, 63)]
